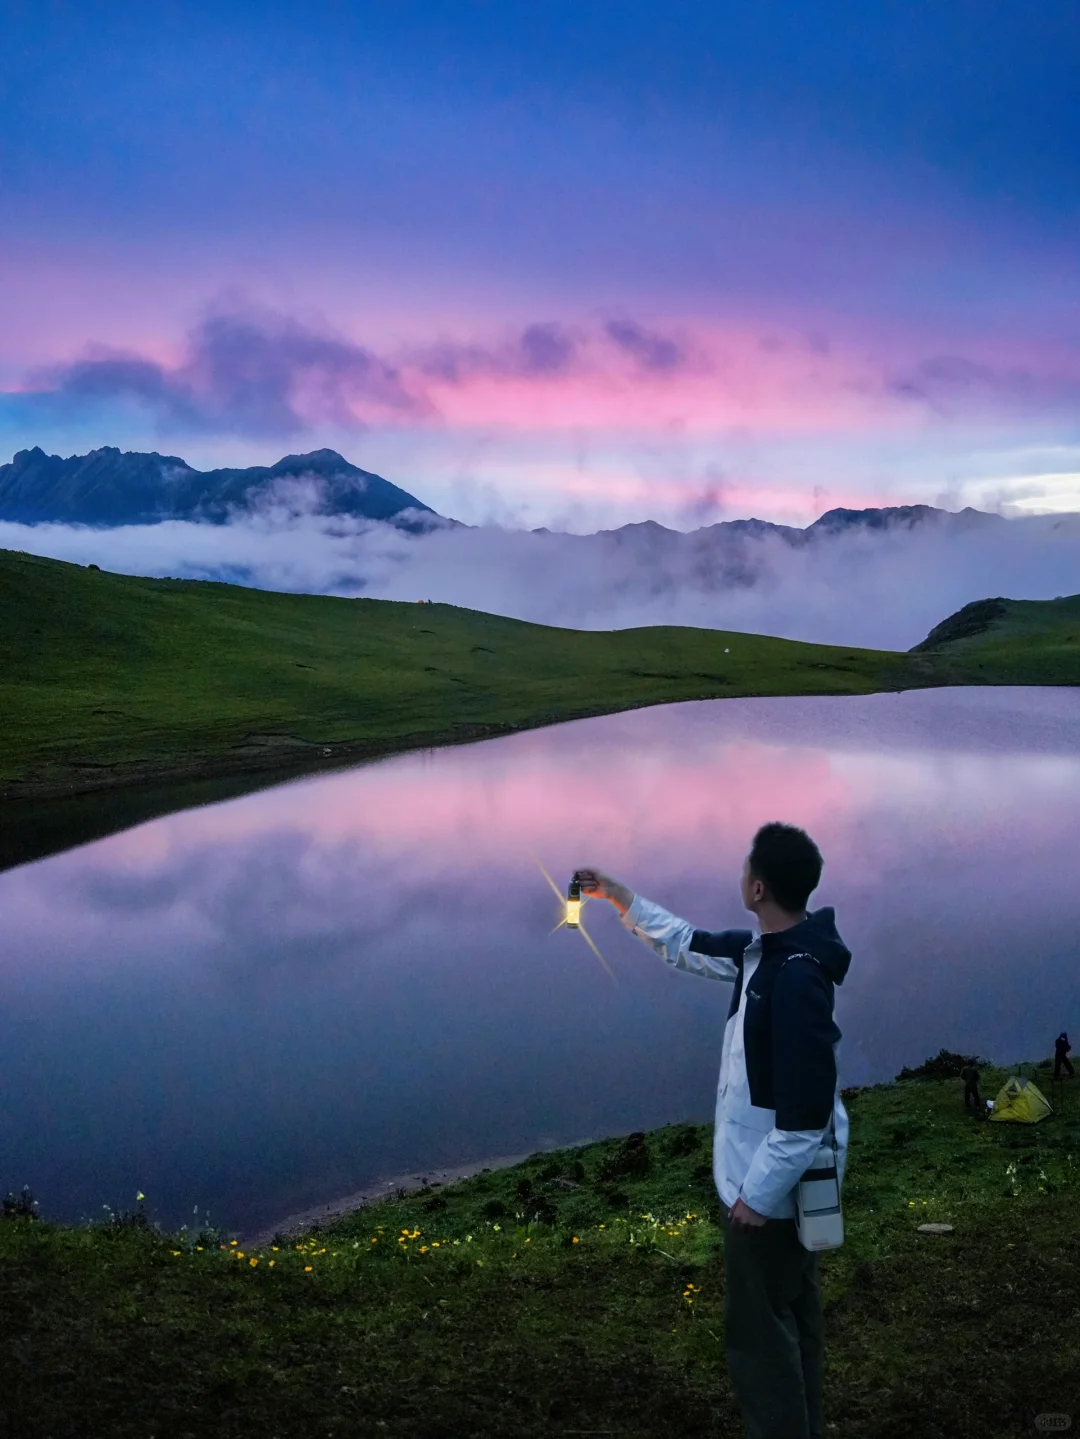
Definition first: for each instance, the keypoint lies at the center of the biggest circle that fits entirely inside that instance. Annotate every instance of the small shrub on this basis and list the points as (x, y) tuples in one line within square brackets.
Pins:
[(684, 1140), (630, 1161), (493, 1209), (944, 1065), (20, 1206), (541, 1210), (129, 1219)]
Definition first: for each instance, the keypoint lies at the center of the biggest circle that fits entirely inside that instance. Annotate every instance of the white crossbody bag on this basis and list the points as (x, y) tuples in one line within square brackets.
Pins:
[(819, 1218)]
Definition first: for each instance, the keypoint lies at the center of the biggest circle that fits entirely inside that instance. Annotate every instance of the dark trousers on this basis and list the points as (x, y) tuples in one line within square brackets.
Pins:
[(1059, 1061), (775, 1333)]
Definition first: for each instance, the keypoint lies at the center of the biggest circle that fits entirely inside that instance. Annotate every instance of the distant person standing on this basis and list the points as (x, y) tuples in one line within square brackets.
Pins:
[(972, 1098), (1061, 1055), (777, 1097)]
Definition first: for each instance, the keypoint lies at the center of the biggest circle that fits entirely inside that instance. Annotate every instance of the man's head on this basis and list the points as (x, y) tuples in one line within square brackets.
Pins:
[(781, 872)]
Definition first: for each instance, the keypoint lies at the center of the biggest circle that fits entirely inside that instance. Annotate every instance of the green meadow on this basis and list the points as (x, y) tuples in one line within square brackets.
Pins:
[(580, 1292), (110, 679)]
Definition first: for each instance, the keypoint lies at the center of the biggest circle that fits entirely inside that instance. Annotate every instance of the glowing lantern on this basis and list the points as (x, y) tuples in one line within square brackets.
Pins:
[(573, 904)]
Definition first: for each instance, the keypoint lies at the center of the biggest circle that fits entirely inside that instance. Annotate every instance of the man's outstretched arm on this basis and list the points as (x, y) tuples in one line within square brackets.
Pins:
[(712, 956)]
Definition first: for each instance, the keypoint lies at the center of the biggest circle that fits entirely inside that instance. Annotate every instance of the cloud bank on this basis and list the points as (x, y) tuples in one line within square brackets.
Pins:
[(257, 373), (878, 589), (243, 372)]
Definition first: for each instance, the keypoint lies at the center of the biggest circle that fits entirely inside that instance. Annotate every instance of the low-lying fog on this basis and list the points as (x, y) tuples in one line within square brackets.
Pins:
[(872, 588)]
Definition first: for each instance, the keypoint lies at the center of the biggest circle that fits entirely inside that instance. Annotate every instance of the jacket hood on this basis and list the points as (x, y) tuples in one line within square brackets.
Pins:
[(817, 935)]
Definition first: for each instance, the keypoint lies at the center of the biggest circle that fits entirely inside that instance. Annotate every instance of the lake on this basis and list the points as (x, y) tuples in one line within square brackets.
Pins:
[(261, 1004)]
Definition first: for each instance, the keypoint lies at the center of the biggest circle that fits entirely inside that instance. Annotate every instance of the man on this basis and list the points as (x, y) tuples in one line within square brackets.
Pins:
[(777, 1094), (1061, 1055), (972, 1098)]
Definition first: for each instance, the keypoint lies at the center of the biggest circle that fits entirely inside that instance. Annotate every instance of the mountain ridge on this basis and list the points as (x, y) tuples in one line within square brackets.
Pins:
[(108, 488)]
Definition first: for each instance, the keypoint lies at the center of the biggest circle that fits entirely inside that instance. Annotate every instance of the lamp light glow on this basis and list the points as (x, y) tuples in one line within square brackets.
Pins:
[(573, 897), (573, 905)]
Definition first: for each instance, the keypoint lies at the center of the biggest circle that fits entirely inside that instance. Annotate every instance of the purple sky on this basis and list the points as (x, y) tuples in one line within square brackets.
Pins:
[(566, 264)]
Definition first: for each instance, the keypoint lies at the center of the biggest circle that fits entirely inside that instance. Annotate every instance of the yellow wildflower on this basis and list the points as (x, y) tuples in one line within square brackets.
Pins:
[(272, 1263), (253, 1262), (307, 1268), (576, 1239)]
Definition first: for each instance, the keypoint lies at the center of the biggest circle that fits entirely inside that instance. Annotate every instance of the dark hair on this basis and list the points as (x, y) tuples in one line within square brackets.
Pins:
[(788, 863)]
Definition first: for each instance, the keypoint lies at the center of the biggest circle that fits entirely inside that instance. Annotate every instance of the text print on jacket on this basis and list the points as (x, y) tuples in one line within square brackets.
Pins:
[(778, 1074)]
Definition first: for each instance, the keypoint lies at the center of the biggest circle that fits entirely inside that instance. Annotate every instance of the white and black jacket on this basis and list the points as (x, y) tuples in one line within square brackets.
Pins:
[(778, 1085)]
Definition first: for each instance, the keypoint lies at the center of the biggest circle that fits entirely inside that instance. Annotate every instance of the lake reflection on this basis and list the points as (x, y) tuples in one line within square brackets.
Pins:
[(262, 1004)]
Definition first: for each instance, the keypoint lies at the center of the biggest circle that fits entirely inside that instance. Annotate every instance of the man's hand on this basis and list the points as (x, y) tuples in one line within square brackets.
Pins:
[(597, 885), (743, 1217)]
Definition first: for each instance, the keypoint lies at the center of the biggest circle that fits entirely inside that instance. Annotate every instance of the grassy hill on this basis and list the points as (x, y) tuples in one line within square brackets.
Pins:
[(109, 676), (579, 1292), (107, 679), (1011, 641)]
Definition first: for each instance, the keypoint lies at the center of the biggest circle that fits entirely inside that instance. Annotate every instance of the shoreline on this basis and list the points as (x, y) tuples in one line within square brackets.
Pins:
[(283, 757), (436, 1176)]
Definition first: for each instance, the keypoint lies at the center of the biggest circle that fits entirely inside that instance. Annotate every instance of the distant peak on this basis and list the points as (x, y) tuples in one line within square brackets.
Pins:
[(324, 457)]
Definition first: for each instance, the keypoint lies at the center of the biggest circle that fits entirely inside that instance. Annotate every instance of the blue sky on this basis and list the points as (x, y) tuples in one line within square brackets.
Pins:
[(857, 226)]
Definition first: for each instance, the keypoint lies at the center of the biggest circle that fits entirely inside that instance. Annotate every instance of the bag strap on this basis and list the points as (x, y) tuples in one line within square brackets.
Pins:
[(832, 1111)]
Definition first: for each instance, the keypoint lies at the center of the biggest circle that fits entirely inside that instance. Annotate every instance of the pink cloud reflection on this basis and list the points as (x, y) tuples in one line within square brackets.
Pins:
[(482, 806)]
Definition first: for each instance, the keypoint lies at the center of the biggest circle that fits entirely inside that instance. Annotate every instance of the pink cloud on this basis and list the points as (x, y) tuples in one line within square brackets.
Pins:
[(731, 377)]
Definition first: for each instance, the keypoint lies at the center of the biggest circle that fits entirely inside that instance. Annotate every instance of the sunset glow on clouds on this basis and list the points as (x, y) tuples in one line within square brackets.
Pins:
[(571, 270)]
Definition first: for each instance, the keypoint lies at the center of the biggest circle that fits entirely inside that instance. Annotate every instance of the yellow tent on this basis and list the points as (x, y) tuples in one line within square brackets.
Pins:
[(1021, 1101)]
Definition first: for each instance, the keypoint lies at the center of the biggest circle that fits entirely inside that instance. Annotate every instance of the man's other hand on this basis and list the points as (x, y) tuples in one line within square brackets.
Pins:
[(595, 884), (743, 1217)]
